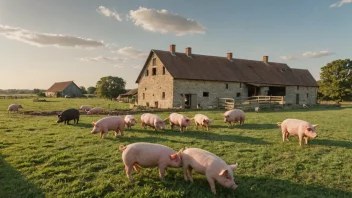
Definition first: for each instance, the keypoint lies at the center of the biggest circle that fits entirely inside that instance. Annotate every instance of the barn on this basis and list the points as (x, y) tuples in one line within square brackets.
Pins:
[(63, 89), (171, 79), (129, 96)]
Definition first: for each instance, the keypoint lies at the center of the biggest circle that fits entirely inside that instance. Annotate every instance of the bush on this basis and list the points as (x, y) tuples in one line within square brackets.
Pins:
[(41, 94)]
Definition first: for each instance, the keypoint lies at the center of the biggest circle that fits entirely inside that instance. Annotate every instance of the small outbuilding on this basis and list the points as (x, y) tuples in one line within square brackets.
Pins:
[(64, 89), (129, 96)]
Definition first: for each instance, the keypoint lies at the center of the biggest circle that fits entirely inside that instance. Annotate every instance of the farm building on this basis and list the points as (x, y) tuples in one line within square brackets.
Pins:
[(62, 89), (129, 96), (170, 79)]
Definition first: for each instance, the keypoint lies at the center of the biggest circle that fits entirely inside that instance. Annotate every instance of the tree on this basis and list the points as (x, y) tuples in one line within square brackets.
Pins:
[(91, 90), (110, 87), (36, 91), (336, 80), (83, 90)]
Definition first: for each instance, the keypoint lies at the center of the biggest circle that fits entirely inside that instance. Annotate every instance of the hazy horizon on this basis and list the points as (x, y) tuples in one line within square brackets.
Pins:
[(43, 42)]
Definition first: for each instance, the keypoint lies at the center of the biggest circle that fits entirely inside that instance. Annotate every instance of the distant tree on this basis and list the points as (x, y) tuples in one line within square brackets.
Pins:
[(110, 87), (36, 91), (336, 80), (41, 94), (83, 90), (91, 90)]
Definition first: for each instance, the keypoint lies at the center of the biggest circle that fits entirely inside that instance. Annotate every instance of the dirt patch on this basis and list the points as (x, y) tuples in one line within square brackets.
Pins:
[(8, 130), (42, 113)]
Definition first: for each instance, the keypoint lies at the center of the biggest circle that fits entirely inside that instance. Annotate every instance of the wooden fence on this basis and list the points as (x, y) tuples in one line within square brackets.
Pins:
[(251, 102)]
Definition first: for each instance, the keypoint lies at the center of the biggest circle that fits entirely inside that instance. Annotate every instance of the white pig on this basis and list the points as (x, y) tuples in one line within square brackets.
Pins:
[(233, 116), (210, 165), (106, 124), (130, 121), (95, 110), (152, 120), (85, 108), (299, 128), (178, 120), (148, 155), (204, 121), (14, 108)]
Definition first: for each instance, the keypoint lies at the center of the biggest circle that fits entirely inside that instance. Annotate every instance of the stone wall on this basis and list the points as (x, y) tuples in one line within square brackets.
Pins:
[(153, 86), (307, 95), (216, 90)]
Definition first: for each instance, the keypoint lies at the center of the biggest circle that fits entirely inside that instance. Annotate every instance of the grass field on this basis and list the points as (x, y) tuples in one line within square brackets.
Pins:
[(39, 158)]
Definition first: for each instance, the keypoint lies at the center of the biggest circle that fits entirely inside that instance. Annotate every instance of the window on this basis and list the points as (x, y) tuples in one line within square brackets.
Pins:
[(146, 72), (297, 87), (145, 88), (147, 104), (240, 85), (154, 61), (205, 94), (163, 95), (307, 95), (164, 70), (238, 94), (227, 86), (143, 95), (153, 71)]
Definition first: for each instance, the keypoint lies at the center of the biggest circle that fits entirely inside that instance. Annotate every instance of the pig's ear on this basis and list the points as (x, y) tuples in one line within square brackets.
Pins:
[(93, 123), (234, 166), (223, 172), (174, 156), (315, 126)]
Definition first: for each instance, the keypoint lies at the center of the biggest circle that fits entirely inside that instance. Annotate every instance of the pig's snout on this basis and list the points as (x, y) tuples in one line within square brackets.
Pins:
[(233, 186)]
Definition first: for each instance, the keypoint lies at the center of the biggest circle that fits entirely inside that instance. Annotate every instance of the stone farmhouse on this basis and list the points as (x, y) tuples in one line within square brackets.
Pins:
[(63, 89), (170, 79)]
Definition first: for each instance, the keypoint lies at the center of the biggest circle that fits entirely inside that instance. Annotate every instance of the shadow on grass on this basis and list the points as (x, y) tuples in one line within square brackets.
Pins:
[(130, 138), (258, 126), (250, 186), (82, 125), (337, 143), (13, 184)]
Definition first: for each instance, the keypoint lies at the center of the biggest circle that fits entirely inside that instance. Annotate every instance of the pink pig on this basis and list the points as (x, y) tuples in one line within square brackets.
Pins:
[(130, 121), (210, 165), (95, 110), (85, 108), (106, 124), (299, 128), (178, 120), (14, 108), (204, 121), (152, 120), (233, 116), (148, 155)]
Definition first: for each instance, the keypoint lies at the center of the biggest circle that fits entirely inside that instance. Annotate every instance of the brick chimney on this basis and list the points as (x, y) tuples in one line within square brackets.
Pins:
[(189, 51), (172, 48), (229, 55), (265, 59)]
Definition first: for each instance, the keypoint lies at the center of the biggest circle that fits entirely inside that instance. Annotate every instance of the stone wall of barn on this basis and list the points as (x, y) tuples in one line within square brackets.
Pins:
[(307, 95), (215, 89), (152, 87), (71, 91)]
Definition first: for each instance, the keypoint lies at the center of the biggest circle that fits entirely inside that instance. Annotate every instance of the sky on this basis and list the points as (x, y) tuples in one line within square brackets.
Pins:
[(47, 41)]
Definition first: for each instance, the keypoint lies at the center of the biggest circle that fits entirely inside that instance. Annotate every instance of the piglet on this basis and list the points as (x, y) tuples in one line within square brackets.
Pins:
[(106, 124), (95, 110), (204, 121), (233, 116), (85, 108), (178, 120), (149, 155), (130, 121), (152, 120), (14, 108), (299, 128), (210, 165)]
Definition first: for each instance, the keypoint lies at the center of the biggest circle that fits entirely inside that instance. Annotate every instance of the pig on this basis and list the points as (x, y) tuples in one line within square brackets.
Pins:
[(106, 124), (95, 110), (85, 108), (299, 128), (14, 108), (149, 155), (204, 121), (130, 121), (152, 120), (178, 120), (210, 165), (233, 116), (67, 115)]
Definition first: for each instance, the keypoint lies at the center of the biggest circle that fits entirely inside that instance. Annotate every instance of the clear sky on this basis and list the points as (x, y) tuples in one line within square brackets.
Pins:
[(46, 41)]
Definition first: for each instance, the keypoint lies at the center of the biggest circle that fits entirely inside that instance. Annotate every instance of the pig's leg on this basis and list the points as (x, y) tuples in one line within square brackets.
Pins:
[(136, 167), (207, 128), (195, 122), (101, 134), (181, 129), (162, 171), (228, 124), (283, 131), (144, 126), (116, 132), (212, 184), (172, 126), (300, 139), (287, 134), (121, 130), (306, 139), (128, 170), (185, 174), (189, 173)]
